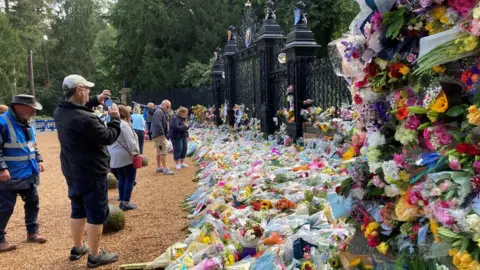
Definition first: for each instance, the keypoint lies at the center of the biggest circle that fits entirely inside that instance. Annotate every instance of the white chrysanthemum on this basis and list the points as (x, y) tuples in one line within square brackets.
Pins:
[(473, 222), (391, 191), (376, 139)]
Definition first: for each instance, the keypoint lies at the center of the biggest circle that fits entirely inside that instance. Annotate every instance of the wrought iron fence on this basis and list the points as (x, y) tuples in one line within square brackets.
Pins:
[(324, 86)]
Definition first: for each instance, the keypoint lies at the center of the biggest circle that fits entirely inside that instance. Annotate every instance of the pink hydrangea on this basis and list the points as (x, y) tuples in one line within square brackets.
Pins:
[(441, 132), (462, 6)]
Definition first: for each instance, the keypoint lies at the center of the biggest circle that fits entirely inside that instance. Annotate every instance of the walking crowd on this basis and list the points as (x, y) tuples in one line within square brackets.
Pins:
[(96, 137)]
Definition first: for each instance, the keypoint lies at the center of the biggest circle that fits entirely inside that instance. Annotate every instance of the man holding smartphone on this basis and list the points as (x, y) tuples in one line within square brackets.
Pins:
[(85, 164)]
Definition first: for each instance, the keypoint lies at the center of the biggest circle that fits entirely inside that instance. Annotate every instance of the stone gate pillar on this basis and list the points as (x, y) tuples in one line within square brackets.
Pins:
[(217, 86), (268, 34), (230, 81), (300, 48)]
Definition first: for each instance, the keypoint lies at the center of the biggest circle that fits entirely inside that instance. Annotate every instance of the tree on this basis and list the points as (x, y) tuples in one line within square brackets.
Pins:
[(103, 56), (29, 17), (197, 74), (12, 61)]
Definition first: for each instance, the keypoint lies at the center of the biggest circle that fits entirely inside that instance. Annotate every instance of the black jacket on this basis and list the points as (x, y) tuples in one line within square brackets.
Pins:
[(178, 129), (83, 140)]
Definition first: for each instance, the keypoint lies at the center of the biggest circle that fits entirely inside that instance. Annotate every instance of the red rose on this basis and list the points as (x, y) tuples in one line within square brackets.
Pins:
[(373, 240), (402, 113), (361, 84), (338, 189), (466, 148), (355, 55), (465, 76), (357, 99), (371, 70)]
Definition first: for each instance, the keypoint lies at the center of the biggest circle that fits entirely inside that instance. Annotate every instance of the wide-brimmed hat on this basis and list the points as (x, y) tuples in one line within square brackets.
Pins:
[(27, 100)]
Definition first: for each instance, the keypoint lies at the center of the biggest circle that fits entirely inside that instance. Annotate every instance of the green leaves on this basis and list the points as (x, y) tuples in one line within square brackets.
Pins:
[(455, 111), (394, 21)]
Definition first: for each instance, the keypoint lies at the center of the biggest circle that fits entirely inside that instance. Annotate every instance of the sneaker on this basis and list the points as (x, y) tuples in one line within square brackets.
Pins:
[(102, 258), (184, 166), (159, 170), (77, 253), (36, 238), (125, 206), (167, 172), (5, 247)]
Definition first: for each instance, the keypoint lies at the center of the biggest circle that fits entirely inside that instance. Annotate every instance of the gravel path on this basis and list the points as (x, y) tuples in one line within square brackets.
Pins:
[(155, 225)]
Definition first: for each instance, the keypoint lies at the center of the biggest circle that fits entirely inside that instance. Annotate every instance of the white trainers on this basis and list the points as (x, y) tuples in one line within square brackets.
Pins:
[(184, 166)]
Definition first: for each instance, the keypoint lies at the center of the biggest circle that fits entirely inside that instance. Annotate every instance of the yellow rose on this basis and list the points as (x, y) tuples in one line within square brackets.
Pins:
[(429, 27), (444, 19), (372, 226), (474, 118), (441, 103), (355, 115), (383, 248), (324, 127)]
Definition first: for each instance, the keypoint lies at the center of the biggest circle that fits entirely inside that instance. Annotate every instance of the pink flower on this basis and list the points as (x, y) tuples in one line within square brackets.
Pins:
[(475, 27), (476, 166), (462, 6), (443, 136), (412, 57), (445, 185), (376, 21), (426, 135), (455, 165), (378, 182), (398, 158), (413, 122)]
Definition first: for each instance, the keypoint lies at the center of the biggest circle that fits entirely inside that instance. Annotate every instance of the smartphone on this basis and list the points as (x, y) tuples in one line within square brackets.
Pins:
[(108, 103)]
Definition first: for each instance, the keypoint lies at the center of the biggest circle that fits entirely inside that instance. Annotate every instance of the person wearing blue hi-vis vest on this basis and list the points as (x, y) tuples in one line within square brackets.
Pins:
[(20, 166)]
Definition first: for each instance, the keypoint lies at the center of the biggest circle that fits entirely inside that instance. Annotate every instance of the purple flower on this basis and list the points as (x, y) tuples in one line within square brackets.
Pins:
[(425, 3), (381, 107), (376, 21), (413, 122)]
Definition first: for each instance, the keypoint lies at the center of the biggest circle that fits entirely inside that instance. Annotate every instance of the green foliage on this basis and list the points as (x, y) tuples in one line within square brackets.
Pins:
[(197, 74), (12, 61), (48, 97), (103, 55)]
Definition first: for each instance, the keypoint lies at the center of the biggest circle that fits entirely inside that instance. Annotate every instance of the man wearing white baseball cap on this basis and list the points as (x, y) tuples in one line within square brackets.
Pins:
[(85, 164)]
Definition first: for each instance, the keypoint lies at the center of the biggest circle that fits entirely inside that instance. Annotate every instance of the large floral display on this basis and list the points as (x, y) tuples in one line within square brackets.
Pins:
[(414, 174)]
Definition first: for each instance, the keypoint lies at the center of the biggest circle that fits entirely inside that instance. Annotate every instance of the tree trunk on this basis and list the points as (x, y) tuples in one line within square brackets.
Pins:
[(47, 73), (7, 6), (30, 73)]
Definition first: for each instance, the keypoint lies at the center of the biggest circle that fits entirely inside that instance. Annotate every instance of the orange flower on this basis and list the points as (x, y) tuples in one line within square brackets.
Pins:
[(398, 70), (402, 113)]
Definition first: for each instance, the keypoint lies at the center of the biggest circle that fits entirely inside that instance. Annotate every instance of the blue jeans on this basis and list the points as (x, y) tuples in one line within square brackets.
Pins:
[(180, 147), (8, 199), (126, 179)]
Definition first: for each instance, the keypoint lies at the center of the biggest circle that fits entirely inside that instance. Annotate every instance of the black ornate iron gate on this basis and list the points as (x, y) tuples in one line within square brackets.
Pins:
[(247, 85)]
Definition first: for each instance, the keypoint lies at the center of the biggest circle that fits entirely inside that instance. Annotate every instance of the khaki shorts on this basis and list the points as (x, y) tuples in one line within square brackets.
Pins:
[(160, 143)]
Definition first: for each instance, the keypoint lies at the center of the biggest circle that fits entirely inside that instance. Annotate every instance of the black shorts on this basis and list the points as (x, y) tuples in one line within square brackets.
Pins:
[(89, 200)]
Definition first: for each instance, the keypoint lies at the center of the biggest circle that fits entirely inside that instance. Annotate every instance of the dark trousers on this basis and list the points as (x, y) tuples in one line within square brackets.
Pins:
[(141, 138), (126, 179), (8, 199), (179, 148), (149, 130)]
